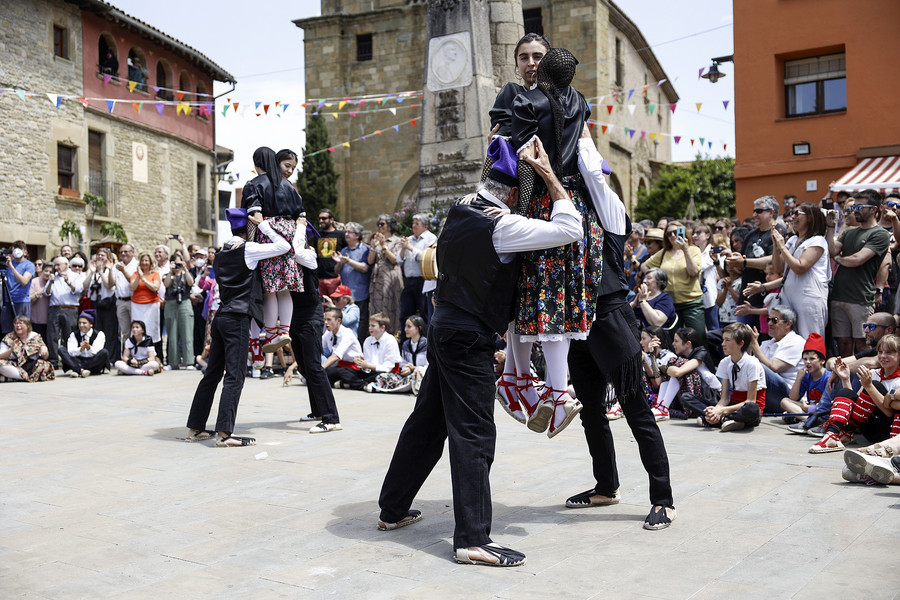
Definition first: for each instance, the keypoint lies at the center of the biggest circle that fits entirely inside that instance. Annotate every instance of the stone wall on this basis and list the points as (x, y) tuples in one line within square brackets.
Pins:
[(376, 175), (30, 130)]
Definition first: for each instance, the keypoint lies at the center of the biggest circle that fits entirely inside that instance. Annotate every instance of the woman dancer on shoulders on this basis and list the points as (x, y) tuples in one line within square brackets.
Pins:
[(280, 204), (557, 287)]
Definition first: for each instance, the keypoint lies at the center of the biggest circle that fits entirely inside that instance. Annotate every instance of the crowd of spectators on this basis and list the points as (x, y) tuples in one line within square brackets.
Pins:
[(789, 314)]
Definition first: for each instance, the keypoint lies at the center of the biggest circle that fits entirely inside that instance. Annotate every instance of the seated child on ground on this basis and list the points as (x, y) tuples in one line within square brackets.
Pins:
[(743, 395), (341, 348), (687, 374), (811, 380)]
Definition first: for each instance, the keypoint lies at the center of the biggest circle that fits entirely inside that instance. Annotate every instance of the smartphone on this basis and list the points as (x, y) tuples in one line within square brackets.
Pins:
[(679, 232), (717, 249), (173, 236)]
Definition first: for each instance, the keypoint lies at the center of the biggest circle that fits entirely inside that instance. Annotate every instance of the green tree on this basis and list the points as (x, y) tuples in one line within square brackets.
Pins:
[(710, 180), (317, 182)]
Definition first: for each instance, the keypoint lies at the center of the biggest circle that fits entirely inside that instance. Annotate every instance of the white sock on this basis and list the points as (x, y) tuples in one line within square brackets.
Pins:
[(556, 356)]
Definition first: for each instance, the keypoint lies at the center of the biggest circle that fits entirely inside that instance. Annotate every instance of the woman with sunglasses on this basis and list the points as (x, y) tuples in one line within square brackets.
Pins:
[(682, 263), (386, 282), (805, 268)]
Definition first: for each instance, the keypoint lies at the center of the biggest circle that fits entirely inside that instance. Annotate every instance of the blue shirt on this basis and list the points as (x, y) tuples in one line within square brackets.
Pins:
[(17, 292), (813, 389), (356, 281)]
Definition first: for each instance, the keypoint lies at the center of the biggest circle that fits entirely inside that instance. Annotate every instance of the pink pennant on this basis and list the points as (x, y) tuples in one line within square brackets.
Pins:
[(677, 139), (672, 108)]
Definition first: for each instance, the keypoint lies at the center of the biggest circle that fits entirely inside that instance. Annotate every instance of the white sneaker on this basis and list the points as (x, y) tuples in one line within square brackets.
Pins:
[(660, 413)]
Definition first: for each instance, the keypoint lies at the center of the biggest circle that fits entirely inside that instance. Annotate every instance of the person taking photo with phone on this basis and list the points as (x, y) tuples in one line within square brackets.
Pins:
[(682, 262)]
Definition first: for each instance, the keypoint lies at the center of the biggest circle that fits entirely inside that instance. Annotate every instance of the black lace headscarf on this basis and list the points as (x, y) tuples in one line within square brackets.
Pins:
[(555, 73), (264, 159)]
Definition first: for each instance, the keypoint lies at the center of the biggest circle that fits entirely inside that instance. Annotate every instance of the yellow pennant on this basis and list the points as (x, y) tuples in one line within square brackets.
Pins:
[(132, 85)]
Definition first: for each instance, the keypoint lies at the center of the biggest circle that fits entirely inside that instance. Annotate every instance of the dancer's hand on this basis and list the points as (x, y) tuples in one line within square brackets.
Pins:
[(537, 157), (256, 218), (493, 132)]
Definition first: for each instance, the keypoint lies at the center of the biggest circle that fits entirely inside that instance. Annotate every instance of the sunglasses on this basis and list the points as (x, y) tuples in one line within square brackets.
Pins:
[(773, 320), (892, 204), (757, 211), (671, 233), (871, 326), (720, 228), (857, 208), (380, 223)]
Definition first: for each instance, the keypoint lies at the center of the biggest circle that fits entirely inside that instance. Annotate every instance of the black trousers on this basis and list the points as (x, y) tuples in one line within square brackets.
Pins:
[(60, 323), (354, 379), (230, 333), (307, 346), (455, 402), (108, 323), (590, 387), (412, 300), (748, 413), (95, 364)]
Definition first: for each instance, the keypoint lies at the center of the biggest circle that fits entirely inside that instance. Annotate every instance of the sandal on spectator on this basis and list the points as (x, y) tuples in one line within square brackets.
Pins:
[(830, 442), (592, 498), (413, 516), (878, 450), (876, 467), (197, 435), (237, 442), (506, 557), (659, 518)]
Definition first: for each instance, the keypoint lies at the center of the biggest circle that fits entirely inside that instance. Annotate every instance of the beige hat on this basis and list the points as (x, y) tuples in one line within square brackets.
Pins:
[(654, 233)]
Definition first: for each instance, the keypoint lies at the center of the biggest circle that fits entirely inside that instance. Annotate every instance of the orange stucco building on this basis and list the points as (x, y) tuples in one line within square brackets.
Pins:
[(816, 76)]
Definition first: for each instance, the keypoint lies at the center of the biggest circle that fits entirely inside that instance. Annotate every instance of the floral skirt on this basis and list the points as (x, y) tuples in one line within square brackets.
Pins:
[(280, 272), (557, 286)]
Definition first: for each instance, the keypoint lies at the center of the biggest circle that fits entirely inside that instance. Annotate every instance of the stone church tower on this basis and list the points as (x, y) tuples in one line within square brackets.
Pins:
[(360, 48)]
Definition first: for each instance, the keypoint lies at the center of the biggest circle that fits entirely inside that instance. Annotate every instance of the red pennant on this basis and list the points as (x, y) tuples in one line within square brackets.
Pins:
[(609, 107), (413, 121), (590, 125), (603, 128), (235, 106), (266, 108), (84, 102), (180, 96), (692, 141), (672, 106)]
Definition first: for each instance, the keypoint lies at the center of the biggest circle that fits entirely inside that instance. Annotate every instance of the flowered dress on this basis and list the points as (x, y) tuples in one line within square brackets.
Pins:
[(386, 283), (557, 286), (26, 357), (280, 272)]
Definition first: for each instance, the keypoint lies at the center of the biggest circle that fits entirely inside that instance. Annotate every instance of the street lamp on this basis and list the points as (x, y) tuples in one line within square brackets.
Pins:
[(713, 73)]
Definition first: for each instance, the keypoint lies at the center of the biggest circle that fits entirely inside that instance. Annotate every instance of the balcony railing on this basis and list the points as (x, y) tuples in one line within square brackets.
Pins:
[(109, 190)]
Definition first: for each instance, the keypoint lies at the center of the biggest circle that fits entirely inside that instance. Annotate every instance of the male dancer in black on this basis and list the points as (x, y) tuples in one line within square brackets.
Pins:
[(475, 298), (240, 297), (612, 354), (307, 327)]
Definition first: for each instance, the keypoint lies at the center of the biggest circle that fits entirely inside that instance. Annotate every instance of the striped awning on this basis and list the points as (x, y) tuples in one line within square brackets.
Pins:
[(881, 173)]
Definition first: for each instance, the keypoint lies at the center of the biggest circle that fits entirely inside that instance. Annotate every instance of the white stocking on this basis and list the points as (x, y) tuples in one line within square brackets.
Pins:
[(270, 309), (509, 367), (556, 354), (285, 308), (522, 355), (667, 391)]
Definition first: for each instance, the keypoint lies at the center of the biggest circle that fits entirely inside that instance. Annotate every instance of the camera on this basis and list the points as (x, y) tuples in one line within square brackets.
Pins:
[(4, 257)]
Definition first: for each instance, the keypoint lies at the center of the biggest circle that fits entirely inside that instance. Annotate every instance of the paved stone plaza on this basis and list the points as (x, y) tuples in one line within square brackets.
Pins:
[(101, 497)]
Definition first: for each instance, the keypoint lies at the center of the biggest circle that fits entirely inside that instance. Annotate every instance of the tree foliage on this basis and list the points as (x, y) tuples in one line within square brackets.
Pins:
[(710, 180), (317, 182)]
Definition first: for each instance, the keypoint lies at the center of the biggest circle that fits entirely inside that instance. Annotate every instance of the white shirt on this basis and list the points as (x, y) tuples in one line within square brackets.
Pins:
[(343, 343), (255, 252), (411, 266), (303, 255), (123, 281), (75, 341), (515, 233), (607, 203), (821, 271), (789, 350), (750, 369), (384, 353), (61, 293)]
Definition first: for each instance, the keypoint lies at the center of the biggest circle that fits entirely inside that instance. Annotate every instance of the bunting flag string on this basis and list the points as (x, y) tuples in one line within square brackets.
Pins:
[(362, 138), (654, 136)]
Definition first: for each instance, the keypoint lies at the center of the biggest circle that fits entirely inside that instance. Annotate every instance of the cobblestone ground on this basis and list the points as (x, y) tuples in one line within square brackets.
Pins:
[(101, 497)]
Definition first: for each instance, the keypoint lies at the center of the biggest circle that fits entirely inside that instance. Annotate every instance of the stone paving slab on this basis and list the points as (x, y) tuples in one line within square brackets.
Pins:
[(102, 498)]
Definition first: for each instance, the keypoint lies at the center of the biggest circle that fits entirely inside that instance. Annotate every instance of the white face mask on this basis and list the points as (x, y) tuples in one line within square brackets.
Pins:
[(199, 262), (18, 253)]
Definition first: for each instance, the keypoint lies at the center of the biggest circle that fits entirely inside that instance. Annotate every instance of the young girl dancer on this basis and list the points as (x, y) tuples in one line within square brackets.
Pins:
[(280, 204)]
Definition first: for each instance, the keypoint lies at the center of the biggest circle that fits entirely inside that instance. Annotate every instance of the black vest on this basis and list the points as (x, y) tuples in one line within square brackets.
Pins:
[(240, 288), (613, 280), (94, 334), (472, 279)]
